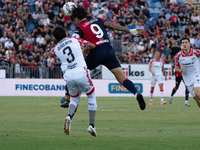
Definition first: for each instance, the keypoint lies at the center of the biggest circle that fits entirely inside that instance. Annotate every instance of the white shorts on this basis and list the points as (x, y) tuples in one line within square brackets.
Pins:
[(153, 80), (17, 68), (78, 80), (195, 84)]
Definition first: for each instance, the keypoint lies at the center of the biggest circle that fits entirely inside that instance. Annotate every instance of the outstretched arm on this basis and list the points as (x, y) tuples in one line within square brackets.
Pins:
[(117, 27)]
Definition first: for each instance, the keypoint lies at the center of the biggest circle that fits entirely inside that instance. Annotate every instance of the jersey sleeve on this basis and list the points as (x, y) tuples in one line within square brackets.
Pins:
[(177, 60), (53, 52), (151, 61), (83, 42), (103, 20), (78, 33), (197, 52)]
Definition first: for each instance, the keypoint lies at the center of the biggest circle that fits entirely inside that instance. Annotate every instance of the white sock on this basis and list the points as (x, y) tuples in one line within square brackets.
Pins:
[(135, 95), (162, 95), (151, 95)]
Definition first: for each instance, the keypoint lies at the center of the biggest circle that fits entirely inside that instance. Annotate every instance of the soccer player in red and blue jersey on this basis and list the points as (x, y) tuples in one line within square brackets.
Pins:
[(178, 80), (94, 31)]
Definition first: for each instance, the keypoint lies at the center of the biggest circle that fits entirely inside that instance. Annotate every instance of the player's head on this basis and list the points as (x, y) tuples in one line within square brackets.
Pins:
[(185, 43), (157, 54), (78, 14), (59, 34)]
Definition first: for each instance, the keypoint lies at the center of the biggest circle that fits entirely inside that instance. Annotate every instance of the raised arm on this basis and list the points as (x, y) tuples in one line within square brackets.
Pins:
[(117, 27)]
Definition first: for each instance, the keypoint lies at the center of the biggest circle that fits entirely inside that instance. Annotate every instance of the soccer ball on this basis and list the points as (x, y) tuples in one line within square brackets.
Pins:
[(68, 8)]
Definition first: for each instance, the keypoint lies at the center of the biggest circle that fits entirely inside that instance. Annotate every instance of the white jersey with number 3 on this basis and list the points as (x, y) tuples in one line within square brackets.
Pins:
[(68, 50)]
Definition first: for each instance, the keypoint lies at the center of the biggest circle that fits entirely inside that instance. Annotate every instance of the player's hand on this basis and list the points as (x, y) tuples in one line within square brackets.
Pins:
[(153, 74), (85, 51), (140, 31), (165, 78), (182, 68)]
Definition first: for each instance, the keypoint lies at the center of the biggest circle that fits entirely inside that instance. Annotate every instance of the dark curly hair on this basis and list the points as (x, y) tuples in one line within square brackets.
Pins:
[(59, 33), (79, 12)]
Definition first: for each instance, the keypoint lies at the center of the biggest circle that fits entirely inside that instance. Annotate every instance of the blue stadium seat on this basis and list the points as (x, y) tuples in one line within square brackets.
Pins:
[(31, 26), (155, 16), (154, 1), (70, 32), (164, 34), (152, 4), (167, 16), (146, 27), (147, 22), (72, 27), (154, 22), (32, 8), (156, 11), (151, 10), (158, 5), (137, 39)]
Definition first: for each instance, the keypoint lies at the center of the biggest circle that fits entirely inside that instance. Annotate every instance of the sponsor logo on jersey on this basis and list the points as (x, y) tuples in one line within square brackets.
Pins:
[(193, 58), (129, 72), (39, 87), (118, 88)]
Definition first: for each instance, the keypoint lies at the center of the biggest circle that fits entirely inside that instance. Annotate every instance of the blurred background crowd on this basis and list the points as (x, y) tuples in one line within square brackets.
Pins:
[(26, 27)]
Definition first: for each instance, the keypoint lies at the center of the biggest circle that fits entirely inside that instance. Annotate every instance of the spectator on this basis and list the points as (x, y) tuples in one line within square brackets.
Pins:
[(140, 48), (3, 39), (125, 58), (121, 22), (186, 31), (197, 42), (160, 25), (132, 48), (192, 39), (177, 37), (162, 17), (169, 36), (94, 4), (8, 44), (128, 13), (175, 25), (142, 18), (114, 20), (95, 12), (39, 39), (140, 26), (194, 19), (181, 19), (126, 4), (131, 25), (51, 15), (146, 12), (151, 29), (172, 17), (168, 26), (116, 11), (136, 12), (35, 17), (188, 19), (38, 5)]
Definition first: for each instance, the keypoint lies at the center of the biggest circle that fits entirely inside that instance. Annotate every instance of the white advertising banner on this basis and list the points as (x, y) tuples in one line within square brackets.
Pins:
[(103, 88), (137, 71)]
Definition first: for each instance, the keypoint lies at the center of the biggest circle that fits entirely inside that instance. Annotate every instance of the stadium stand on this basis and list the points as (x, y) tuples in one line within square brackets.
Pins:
[(26, 26)]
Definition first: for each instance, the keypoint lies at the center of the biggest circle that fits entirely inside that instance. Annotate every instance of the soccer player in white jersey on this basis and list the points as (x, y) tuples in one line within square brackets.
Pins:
[(156, 67), (187, 62), (76, 75)]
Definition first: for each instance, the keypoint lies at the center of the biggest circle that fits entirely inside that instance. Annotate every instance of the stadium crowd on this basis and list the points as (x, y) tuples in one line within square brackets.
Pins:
[(26, 27)]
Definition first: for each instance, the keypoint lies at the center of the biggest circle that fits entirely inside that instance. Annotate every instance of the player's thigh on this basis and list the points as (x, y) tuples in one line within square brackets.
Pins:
[(85, 83), (110, 60), (197, 86), (159, 80), (73, 88), (153, 81)]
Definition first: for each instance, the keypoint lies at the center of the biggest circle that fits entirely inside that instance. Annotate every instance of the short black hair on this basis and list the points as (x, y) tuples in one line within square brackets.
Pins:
[(59, 33), (185, 38), (79, 12)]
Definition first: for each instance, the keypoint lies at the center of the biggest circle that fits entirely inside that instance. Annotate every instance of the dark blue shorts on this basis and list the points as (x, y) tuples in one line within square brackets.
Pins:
[(102, 55)]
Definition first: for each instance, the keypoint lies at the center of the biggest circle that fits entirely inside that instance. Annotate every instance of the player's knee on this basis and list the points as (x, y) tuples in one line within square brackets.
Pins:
[(73, 101)]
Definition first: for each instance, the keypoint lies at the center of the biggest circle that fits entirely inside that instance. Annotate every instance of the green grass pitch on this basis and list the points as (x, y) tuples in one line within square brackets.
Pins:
[(36, 123)]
